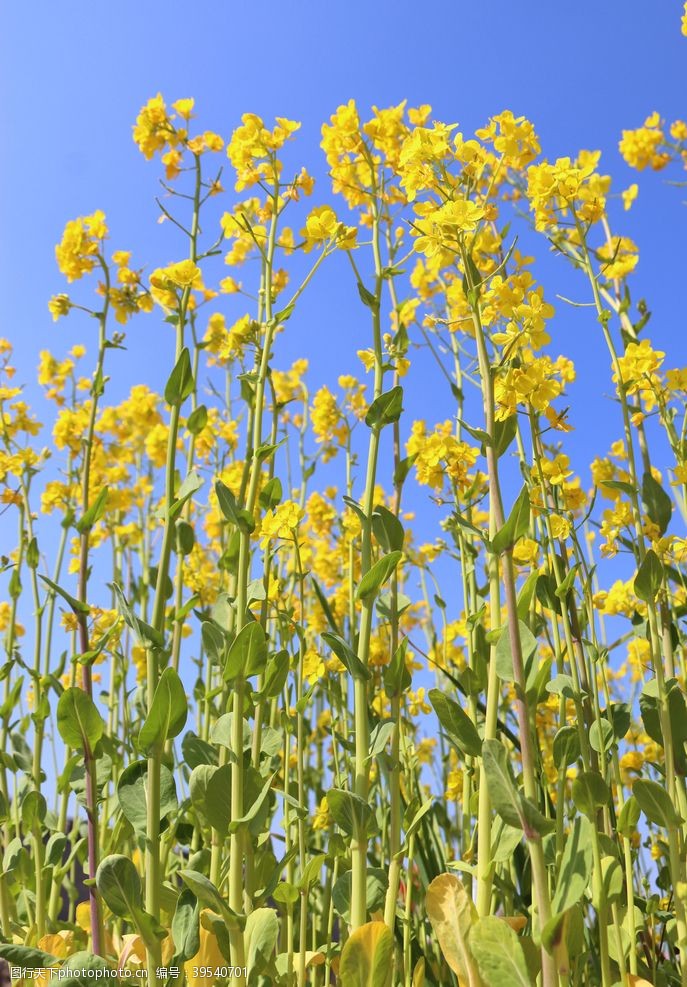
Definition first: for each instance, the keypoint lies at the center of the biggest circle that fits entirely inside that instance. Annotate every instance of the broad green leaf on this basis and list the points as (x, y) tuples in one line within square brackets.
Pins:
[(118, 882), (380, 737), (452, 913), (385, 409), (168, 712), (576, 866), (504, 653), (388, 530), (217, 805), (517, 524), (629, 817), (80, 724), (197, 420), (132, 793), (346, 656), (260, 939), (658, 504), (77, 605), (566, 747), (396, 676), (181, 383), (498, 953), (232, 512), (83, 969), (649, 577), (601, 735), (376, 886), (94, 512), (186, 926), (376, 576), (456, 723), (352, 813), (590, 792), (247, 653), (366, 959), (656, 804), (27, 956), (206, 892), (508, 801)]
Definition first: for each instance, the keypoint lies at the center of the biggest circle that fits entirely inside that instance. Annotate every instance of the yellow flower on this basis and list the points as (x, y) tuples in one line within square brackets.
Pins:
[(629, 196), (184, 107), (81, 243), (281, 522), (59, 305), (153, 129), (640, 147), (322, 818)]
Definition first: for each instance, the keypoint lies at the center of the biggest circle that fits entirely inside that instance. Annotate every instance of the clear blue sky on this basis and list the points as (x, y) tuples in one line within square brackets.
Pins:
[(74, 75)]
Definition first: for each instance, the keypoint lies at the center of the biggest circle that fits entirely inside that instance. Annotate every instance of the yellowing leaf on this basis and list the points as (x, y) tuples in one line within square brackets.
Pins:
[(366, 957), (452, 914), (209, 955)]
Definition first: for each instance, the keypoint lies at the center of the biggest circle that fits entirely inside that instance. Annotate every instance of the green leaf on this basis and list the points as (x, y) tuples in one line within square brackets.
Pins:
[(260, 939), (656, 804), (385, 409), (231, 511), (77, 605), (118, 882), (146, 636), (80, 724), (186, 926), (83, 969), (217, 807), (206, 892), (346, 656), (396, 676), (629, 817), (649, 577), (566, 747), (181, 383), (504, 433), (456, 723), (168, 712), (576, 866), (516, 526), (27, 956), (367, 298), (387, 529), (506, 798), (658, 504), (590, 792), (366, 959), (376, 576), (498, 953), (247, 654), (351, 813), (601, 735), (380, 737), (132, 793), (504, 655), (197, 420), (255, 806), (94, 512)]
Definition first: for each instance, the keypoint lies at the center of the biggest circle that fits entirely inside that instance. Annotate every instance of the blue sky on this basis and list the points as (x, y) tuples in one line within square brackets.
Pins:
[(74, 76)]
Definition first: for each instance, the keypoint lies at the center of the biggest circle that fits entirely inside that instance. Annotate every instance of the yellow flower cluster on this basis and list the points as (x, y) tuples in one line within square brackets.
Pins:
[(252, 149), (281, 522), (78, 250), (567, 186), (642, 148), (440, 456)]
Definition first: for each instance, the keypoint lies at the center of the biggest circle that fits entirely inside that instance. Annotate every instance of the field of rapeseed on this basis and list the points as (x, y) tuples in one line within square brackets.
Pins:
[(247, 735)]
